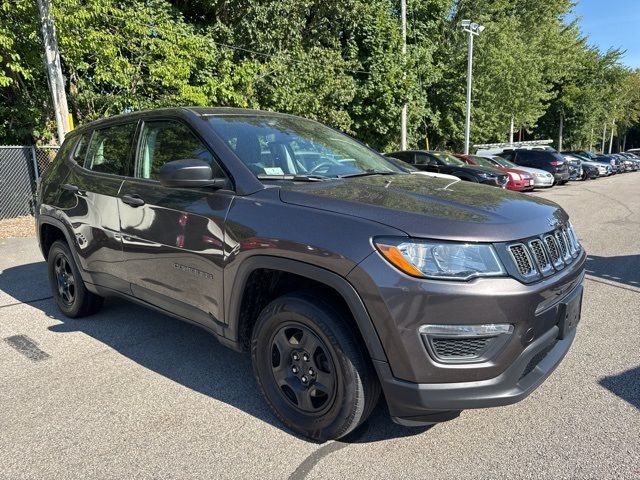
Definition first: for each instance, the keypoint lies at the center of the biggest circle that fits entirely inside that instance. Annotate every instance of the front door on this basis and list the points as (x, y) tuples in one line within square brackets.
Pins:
[(173, 238)]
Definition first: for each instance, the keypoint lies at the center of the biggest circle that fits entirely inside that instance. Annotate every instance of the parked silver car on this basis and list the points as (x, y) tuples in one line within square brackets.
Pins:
[(541, 178)]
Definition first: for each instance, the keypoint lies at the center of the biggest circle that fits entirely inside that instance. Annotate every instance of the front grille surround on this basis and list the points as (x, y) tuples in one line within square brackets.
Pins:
[(539, 257)]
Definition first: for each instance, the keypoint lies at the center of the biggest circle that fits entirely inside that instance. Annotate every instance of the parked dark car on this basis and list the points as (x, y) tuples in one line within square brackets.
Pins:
[(342, 275), (615, 164), (442, 162), (548, 160)]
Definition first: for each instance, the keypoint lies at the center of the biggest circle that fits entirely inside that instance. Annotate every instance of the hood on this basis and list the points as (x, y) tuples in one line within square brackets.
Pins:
[(431, 207)]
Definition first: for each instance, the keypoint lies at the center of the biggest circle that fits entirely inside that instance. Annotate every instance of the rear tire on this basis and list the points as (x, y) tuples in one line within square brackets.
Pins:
[(68, 288), (311, 367)]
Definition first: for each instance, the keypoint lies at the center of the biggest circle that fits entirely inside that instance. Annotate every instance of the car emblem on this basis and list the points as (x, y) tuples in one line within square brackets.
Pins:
[(553, 222)]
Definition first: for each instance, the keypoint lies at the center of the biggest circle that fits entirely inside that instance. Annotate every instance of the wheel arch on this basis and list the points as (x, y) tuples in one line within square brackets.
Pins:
[(240, 318)]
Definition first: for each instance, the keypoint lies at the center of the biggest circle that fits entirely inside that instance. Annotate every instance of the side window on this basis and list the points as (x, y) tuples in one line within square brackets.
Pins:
[(110, 149), (80, 151), (164, 141), (508, 156), (424, 159)]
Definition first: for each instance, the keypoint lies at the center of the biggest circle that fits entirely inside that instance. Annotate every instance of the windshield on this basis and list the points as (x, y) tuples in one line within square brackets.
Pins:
[(449, 159), (485, 162), (504, 162), (274, 145)]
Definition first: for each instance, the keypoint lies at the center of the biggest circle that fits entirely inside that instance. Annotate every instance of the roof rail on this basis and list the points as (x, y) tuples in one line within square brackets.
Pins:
[(530, 143)]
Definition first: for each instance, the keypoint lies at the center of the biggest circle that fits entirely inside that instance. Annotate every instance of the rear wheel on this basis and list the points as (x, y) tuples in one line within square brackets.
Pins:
[(311, 367), (68, 288)]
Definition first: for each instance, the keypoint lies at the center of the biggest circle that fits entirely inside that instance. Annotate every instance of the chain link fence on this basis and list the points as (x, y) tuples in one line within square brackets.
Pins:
[(20, 168)]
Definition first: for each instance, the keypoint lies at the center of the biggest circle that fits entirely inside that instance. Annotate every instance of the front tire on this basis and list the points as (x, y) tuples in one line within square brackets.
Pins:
[(68, 288), (312, 368)]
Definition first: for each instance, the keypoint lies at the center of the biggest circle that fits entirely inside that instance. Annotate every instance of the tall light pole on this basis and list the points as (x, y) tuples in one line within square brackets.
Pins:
[(403, 114), (472, 29)]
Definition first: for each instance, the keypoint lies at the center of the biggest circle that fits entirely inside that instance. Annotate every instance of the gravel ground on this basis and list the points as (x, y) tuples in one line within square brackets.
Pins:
[(129, 393), (17, 227)]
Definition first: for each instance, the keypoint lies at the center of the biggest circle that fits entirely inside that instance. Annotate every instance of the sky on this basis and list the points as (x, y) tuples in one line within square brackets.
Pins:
[(612, 23)]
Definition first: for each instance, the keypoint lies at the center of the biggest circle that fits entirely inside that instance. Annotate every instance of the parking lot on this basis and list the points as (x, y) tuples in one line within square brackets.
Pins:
[(129, 393)]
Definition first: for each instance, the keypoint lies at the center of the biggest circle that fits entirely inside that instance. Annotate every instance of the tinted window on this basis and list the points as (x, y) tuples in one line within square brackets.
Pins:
[(80, 151), (424, 159), (110, 149), (166, 141)]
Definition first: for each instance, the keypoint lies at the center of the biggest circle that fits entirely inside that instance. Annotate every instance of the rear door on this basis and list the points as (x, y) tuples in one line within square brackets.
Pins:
[(101, 160), (173, 238)]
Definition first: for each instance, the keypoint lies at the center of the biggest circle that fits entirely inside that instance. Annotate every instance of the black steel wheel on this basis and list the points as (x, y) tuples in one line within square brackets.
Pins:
[(302, 367), (65, 279), (68, 289), (312, 368)]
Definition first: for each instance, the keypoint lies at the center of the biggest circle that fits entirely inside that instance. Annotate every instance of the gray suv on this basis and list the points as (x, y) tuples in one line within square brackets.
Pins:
[(340, 273)]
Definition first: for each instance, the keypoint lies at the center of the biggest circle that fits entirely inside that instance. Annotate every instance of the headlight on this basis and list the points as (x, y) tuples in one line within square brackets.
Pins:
[(441, 260), (514, 176)]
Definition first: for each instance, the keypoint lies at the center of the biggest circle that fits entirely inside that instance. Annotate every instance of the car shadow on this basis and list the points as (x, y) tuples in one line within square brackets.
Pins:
[(625, 385), (623, 269), (177, 350)]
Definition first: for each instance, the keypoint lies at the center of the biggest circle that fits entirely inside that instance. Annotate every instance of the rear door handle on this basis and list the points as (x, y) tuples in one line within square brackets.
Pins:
[(133, 200), (70, 187)]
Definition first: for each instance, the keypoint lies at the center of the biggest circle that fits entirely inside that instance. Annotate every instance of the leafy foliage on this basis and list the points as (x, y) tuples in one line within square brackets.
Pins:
[(340, 62)]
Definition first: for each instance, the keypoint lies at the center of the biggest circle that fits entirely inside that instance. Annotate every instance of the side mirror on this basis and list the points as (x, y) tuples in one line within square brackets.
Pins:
[(189, 173)]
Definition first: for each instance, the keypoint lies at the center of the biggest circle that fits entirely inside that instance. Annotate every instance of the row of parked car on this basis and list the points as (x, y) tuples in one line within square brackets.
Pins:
[(519, 169)]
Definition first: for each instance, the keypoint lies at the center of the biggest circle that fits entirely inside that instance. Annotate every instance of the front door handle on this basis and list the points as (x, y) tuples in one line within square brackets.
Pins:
[(133, 200), (70, 187)]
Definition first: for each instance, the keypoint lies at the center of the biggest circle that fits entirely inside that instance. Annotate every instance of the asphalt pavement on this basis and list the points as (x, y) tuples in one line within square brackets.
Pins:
[(130, 393)]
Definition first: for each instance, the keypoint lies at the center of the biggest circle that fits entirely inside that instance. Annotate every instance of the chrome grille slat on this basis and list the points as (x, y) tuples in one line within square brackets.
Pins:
[(540, 256), (522, 259), (554, 250)]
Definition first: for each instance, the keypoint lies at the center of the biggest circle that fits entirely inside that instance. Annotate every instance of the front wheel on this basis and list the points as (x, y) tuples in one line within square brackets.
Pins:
[(312, 368)]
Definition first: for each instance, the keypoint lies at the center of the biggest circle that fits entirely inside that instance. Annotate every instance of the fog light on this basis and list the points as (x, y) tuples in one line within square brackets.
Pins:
[(468, 330), (465, 343)]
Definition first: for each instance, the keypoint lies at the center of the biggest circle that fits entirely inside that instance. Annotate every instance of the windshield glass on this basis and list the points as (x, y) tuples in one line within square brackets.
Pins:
[(274, 145), (485, 162), (449, 159), (504, 162)]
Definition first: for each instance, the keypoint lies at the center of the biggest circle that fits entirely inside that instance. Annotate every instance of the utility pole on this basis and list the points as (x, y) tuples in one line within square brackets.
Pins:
[(473, 29), (613, 126), (54, 69), (403, 115), (560, 132), (591, 140), (604, 136), (511, 131)]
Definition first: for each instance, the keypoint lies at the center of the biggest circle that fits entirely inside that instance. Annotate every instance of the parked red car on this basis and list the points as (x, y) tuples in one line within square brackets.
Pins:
[(519, 180)]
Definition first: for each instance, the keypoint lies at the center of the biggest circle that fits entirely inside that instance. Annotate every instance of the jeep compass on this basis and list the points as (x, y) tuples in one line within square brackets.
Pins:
[(341, 274)]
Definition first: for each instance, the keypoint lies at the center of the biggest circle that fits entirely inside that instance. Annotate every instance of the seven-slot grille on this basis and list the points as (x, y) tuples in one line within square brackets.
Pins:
[(542, 255)]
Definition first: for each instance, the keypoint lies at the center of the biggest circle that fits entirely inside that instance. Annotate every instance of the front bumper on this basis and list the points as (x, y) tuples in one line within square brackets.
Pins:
[(520, 185), (416, 404), (542, 182), (418, 388)]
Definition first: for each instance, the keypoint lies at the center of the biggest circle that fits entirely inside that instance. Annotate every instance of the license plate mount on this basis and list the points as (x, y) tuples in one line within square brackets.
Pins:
[(569, 313)]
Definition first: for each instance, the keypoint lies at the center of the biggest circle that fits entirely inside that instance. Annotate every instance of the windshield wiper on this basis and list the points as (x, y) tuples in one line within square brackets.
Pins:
[(369, 172), (294, 178)]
